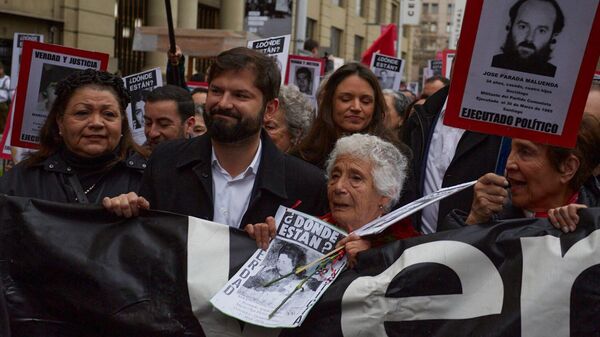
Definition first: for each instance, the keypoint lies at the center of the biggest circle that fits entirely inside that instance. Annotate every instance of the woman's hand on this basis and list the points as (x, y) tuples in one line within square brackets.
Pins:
[(262, 232), (127, 205), (354, 245), (565, 218), (489, 194)]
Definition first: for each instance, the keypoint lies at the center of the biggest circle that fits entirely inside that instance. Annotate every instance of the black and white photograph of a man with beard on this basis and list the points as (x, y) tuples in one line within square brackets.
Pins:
[(531, 36)]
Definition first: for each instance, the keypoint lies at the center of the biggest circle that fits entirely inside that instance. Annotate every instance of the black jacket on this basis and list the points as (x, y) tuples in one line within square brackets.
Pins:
[(476, 155), (179, 179), (589, 195), (51, 180)]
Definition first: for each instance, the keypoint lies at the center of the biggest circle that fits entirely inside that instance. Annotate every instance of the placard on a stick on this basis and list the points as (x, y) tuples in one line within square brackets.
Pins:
[(507, 85), (42, 66), (305, 72)]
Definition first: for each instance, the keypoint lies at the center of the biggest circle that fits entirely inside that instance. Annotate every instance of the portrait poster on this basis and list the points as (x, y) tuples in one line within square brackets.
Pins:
[(5, 142), (266, 291), (388, 70), (435, 66), (42, 67), (508, 86), (447, 59), (18, 40), (139, 85), (305, 73), (427, 73)]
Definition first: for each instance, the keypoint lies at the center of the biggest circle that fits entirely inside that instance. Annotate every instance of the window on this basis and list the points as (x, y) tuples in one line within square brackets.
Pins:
[(448, 27), (435, 8), (360, 8), (450, 9), (380, 11), (339, 3), (425, 8), (311, 29), (358, 47), (336, 41), (395, 12)]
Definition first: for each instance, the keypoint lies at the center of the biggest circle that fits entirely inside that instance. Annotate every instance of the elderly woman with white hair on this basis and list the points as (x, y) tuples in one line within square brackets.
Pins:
[(290, 122), (365, 177)]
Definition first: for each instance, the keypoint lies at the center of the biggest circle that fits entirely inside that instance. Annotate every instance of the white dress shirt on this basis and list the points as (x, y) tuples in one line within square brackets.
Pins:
[(441, 151), (232, 195)]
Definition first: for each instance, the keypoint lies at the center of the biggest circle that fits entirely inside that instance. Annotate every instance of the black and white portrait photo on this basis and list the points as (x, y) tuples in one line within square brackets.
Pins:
[(304, 79), (304, 72), (531, 35), (386, 78)]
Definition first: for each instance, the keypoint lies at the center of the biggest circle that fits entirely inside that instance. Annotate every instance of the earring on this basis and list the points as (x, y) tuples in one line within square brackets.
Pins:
[(380, 206)]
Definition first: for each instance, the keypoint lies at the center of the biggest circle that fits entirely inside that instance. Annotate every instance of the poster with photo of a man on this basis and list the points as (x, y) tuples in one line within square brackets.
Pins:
[(42, 66), (532, 30), (388, 70), (305, 73), (303, 80), (524, 67)]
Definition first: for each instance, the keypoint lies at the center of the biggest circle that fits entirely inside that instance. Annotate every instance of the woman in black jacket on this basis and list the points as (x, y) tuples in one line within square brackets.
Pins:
[(86, 151)]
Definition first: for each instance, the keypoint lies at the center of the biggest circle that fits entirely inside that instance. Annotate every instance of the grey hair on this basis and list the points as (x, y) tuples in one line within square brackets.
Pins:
[(401, 102), (297, 110), (389, 164)]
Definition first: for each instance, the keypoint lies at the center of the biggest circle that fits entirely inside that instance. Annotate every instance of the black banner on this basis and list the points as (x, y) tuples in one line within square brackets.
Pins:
[(75, 270)]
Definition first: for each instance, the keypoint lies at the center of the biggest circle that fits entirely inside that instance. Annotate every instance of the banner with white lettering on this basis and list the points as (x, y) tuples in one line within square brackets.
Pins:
[(139, 85), (276, 47), (524, 68), (18, 40), (77, 270), (42, 67), (388, 70)]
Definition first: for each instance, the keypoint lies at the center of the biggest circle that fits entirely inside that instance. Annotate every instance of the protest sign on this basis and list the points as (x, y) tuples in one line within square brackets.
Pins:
[(276, 47), (42, 67), (5, 143), (596, 80), (508, 86), (380, 224), (388, 70), (436, 67), (153, 275), (266, 291), (139, 85), (305, 72), (18, 40), (447, 61)]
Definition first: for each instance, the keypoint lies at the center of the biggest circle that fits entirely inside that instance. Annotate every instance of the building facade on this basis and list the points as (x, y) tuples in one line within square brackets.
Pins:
[(431, 36)]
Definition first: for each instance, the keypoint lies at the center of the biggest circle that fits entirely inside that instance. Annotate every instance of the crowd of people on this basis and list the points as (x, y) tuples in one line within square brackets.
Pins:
[(237, 151)]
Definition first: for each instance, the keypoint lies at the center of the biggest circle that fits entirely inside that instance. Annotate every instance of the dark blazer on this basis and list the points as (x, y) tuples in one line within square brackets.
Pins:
[(179, 179), (476, 155)]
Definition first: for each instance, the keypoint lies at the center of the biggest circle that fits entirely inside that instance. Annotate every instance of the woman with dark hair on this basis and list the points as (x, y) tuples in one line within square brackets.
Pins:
[(86, 148), (351, 101)]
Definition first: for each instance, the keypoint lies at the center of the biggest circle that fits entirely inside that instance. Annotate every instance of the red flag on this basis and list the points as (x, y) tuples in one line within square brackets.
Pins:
[(385, 44)]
